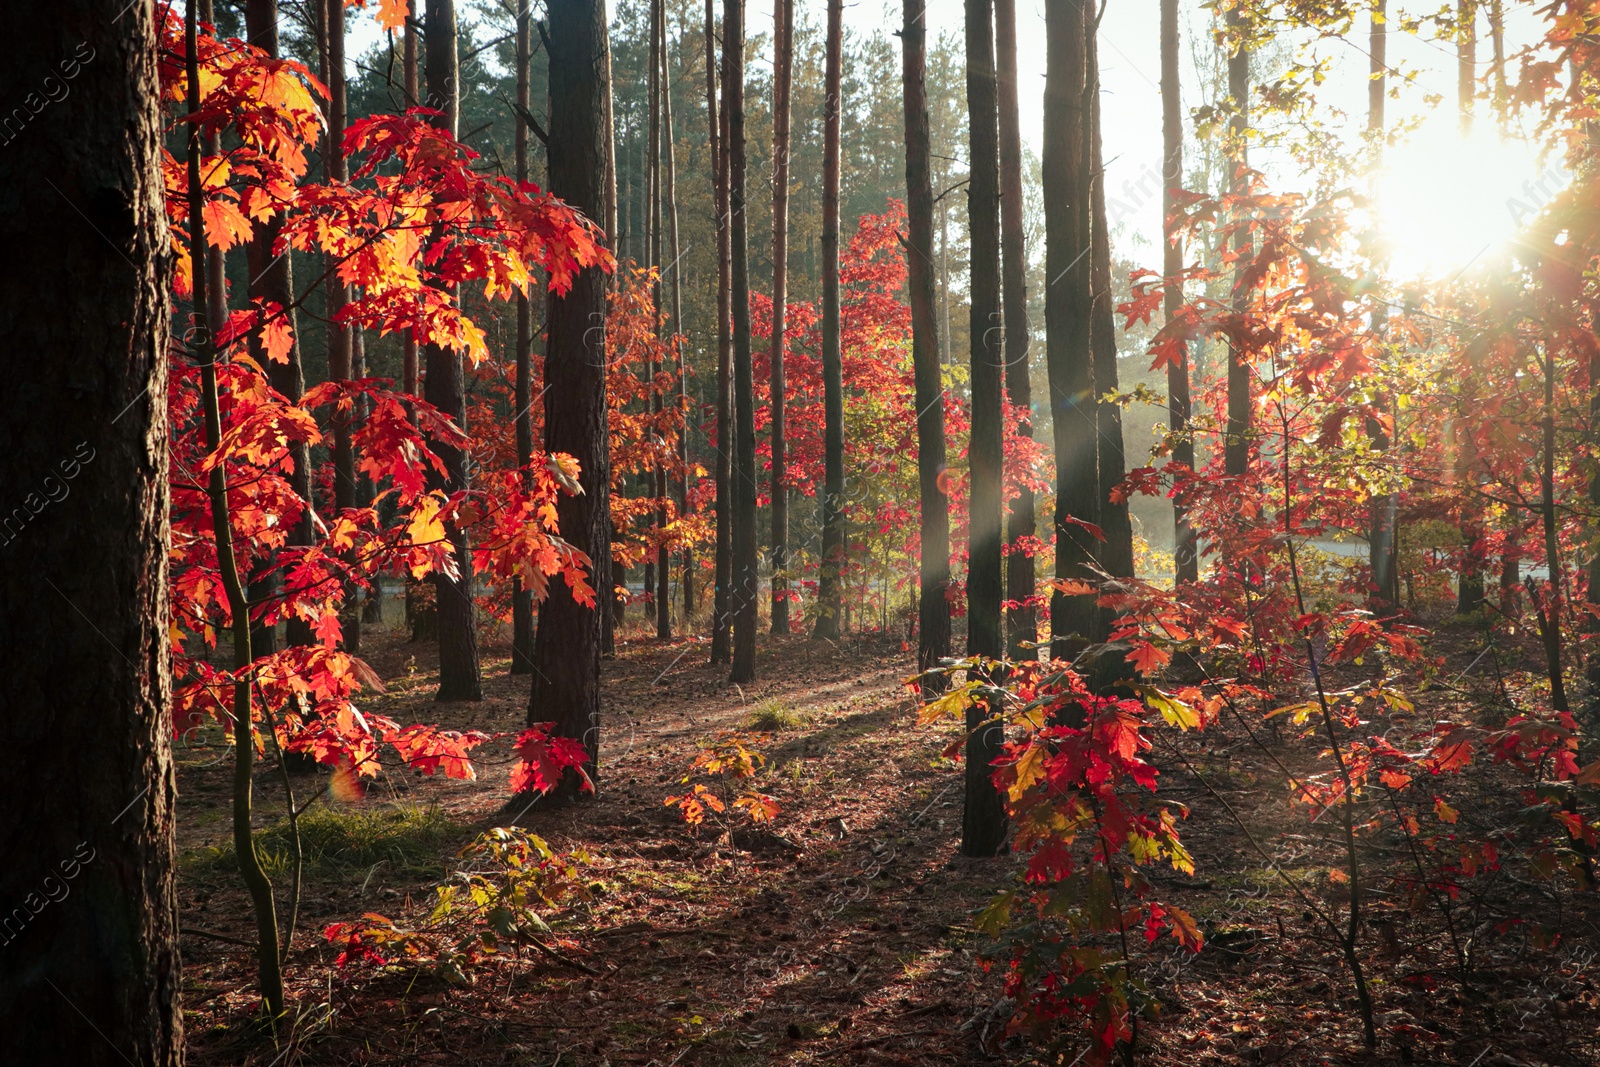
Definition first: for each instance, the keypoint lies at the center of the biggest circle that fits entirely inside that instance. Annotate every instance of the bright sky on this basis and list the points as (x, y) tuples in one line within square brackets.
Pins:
[(1445, 202)]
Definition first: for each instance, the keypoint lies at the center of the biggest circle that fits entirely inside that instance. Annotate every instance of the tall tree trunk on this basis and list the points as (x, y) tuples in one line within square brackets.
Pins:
[(1022, 621), (1186, 557), (722, 598), (459, 675), (87, 418), (420, 618), (1469, 586), (336, 295), (934, 569), (1382, 534), (1116, 552), (611, 620), (830, 588), (669, 192), (745, 581), (1236, 446), (665, 191), (566, 679), (1068, 311), (271, 280), (783, 72), (1497, 40), (660, 563), (983, 822), (521, 598)]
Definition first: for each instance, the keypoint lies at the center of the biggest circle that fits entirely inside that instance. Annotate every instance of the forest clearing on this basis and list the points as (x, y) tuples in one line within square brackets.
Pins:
[(661, 533)]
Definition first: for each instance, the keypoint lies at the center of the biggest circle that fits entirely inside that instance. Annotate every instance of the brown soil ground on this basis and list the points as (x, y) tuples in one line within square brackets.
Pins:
[(854, 947)]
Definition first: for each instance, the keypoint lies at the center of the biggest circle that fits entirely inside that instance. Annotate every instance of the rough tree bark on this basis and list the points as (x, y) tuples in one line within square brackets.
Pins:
[(783, 72), (459, 675), (745, 582), (830, 588), (83, 593), (1022, 622), (566, 679), (1068, 307), (983, 822), (934, 569)]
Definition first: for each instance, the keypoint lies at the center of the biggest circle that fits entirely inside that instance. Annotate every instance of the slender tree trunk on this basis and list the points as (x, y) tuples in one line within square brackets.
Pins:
[(1236, 447), (336, 294), (1382, 535), (934, 569), (1020, 588), (669, 174), (783, 72), (1469, 586), (663, 516), (983, 823), (459, 675), (566, 678), (1466, 60), (88, 417), (1497, 40), (831, 584), (420, 618), (521, 598), (1116, 552), (1068, 312), (745, 581), (1185, 555), (661, 560), (1550, 606), (722, 601), (211, 307)]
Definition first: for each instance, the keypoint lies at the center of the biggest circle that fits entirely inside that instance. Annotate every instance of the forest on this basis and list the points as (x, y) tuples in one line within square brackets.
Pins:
[(549, 532)]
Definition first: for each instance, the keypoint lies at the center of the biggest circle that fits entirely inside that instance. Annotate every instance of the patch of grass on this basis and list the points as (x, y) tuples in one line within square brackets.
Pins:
[(773, 716), (342, 841)]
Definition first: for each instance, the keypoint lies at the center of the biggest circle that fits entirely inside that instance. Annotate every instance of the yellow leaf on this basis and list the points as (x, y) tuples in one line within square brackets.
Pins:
[(1173, 710), (1030, 769)]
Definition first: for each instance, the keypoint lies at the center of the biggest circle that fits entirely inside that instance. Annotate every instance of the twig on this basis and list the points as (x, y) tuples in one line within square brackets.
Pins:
[(195, 931)]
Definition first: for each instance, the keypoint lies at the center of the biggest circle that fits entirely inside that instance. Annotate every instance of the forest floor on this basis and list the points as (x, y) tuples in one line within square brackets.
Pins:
[(849, 939)]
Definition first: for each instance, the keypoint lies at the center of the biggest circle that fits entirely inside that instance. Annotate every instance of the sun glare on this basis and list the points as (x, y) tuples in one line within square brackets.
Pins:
[(1449, 202)]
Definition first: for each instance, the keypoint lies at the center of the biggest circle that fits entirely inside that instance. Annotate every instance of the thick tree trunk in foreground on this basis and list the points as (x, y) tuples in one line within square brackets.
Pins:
[(934, 571), (1022, 622), (721, 607), (1184, 550), (522, 599), (91, 926), (983, 823), (1068, 306), (783, 69), (830, 588), (745, 582), (566, 679), (459, 676)]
